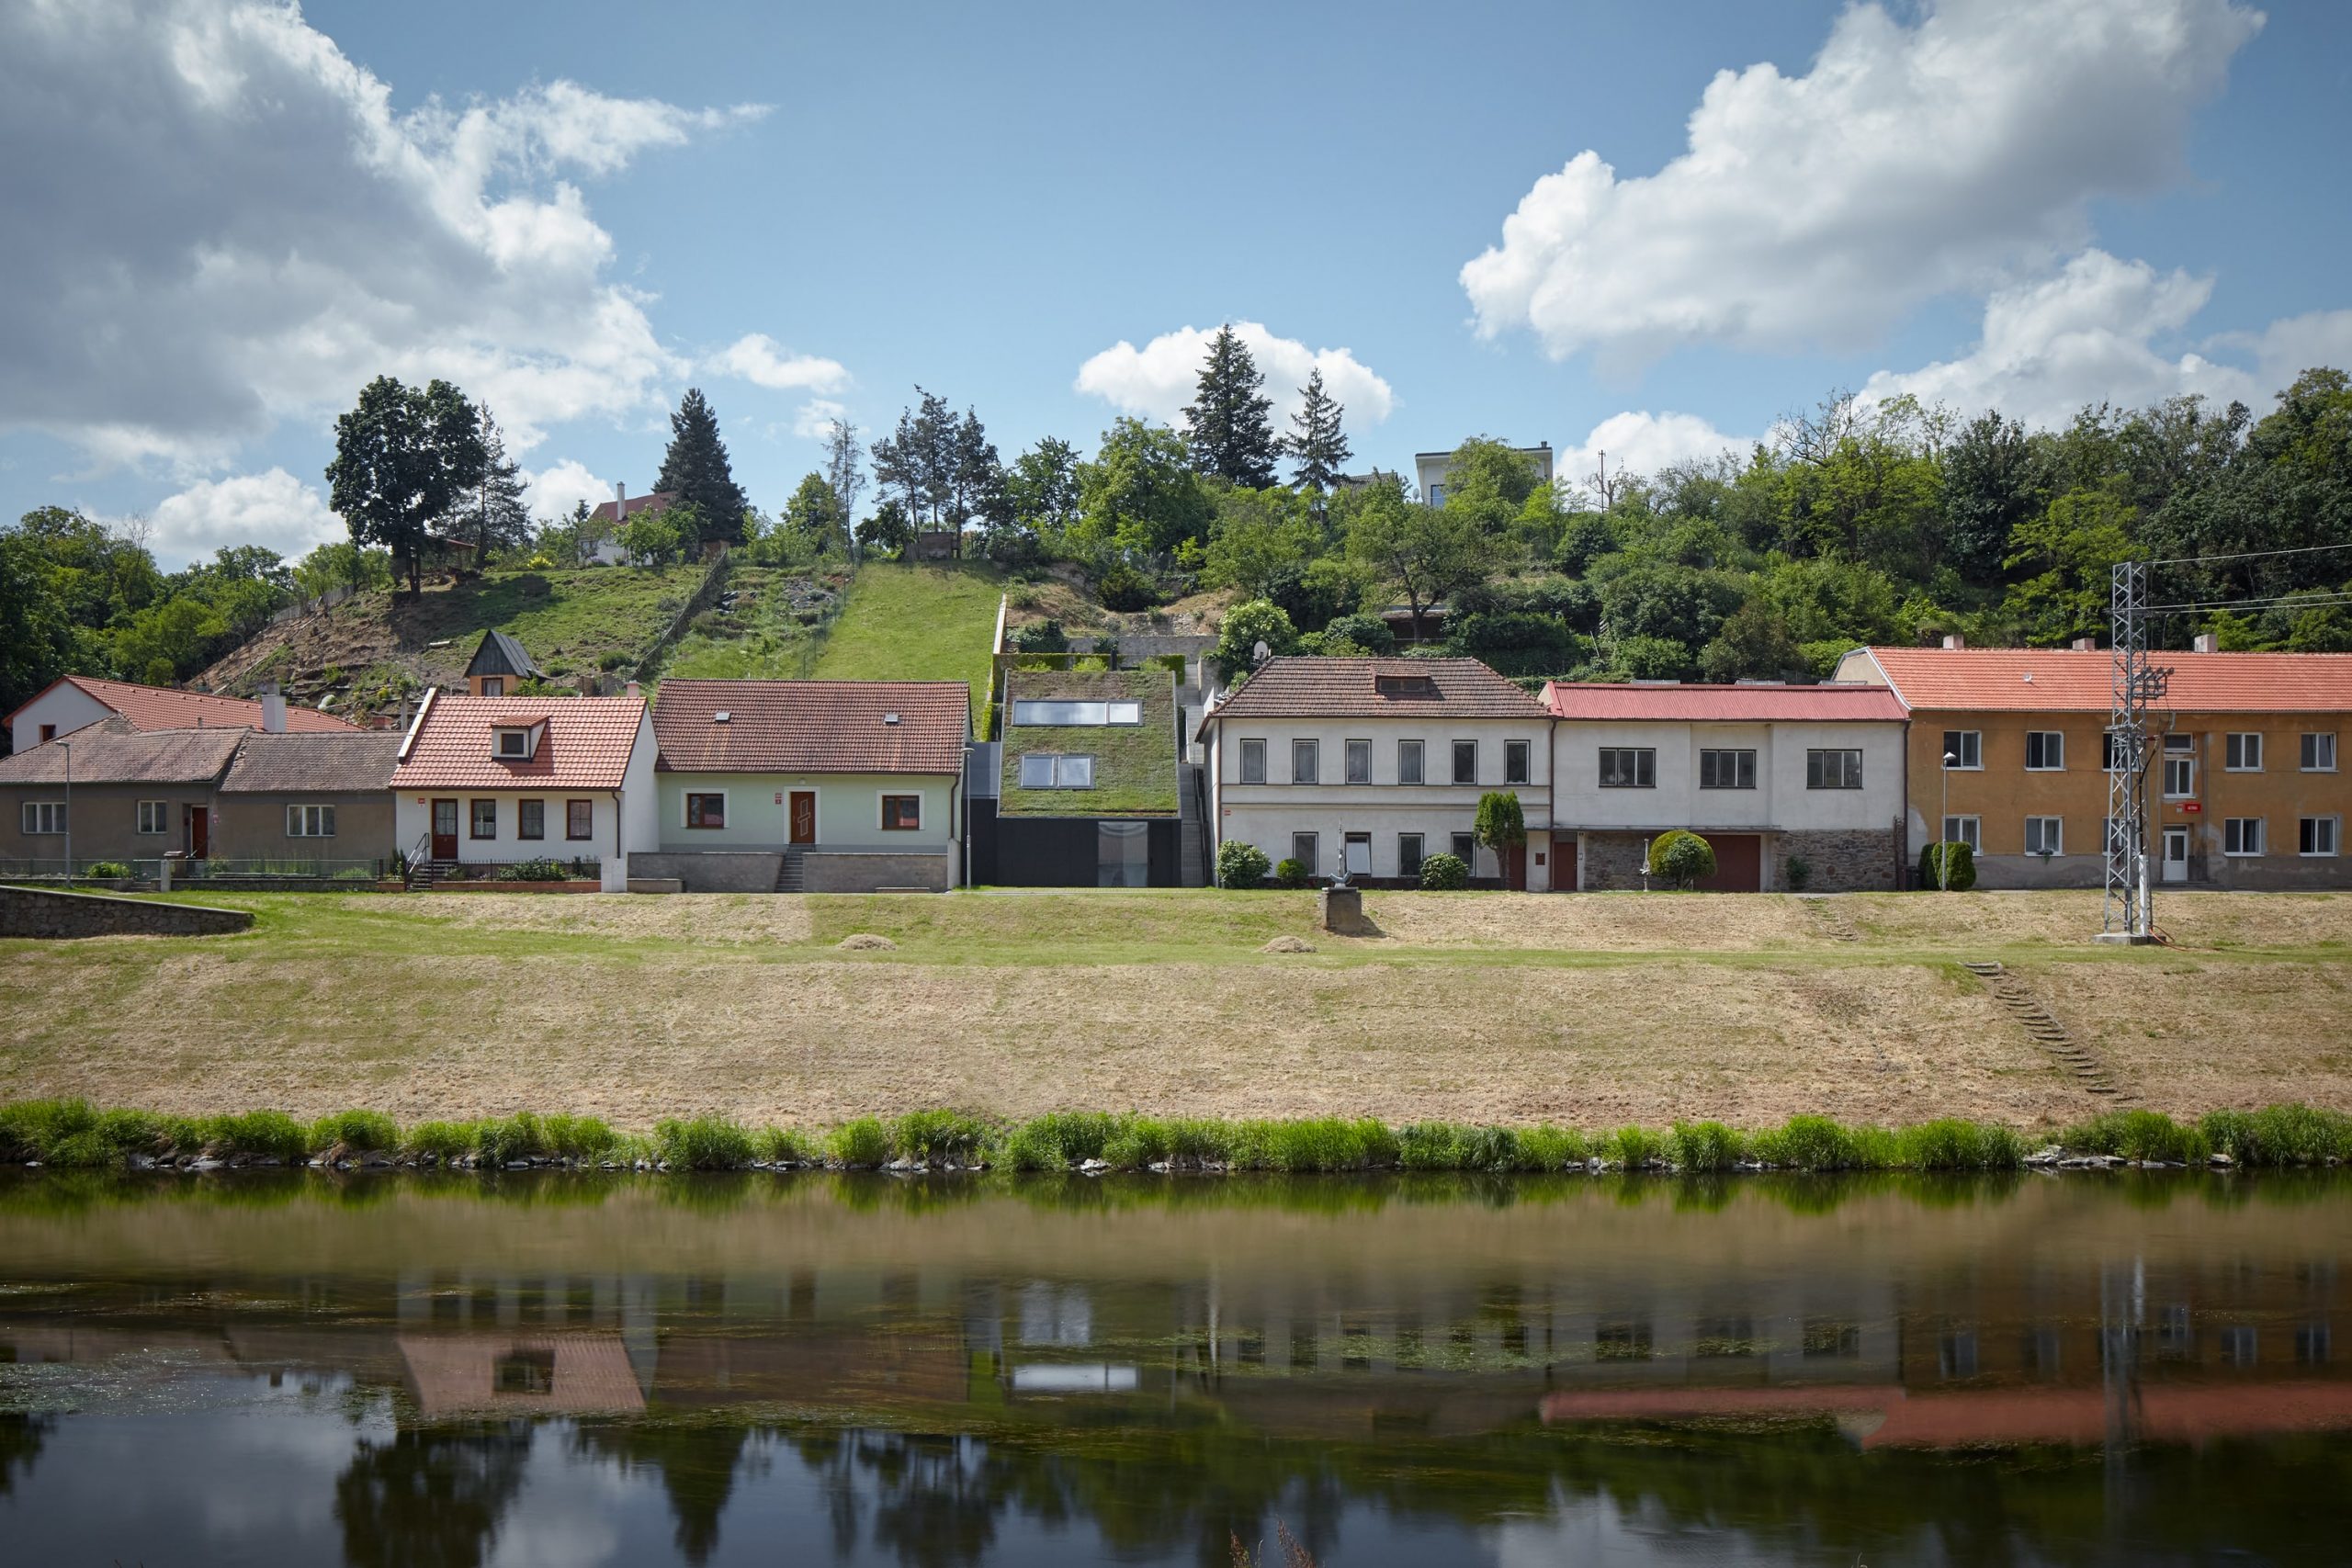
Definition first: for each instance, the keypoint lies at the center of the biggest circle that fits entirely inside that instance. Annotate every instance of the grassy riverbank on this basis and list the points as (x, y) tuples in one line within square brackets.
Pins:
[(1593, 1011)]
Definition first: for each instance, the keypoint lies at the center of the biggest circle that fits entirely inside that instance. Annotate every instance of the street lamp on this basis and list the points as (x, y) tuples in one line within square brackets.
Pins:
[(67, 747), (1943, 830)]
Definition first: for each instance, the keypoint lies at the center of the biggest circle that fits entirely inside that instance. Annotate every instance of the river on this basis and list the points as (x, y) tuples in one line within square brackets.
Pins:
[(551, 1369)]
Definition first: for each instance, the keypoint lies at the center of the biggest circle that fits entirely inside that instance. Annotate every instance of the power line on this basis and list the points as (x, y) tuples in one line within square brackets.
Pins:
[(2248, 555), (2284, 601)]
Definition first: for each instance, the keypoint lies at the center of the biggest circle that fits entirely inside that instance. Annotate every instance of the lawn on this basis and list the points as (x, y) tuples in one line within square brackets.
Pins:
[(773, 630), (916, 623), (1591, 1010)]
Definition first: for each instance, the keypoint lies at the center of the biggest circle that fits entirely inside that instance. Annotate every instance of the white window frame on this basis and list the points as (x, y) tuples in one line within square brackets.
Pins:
[(1352, 751), (1743, 768), (2053, 741), (1419, 770), (1246, 742), (1525, 751), (2239, 745), (2183, 756), (1968, 746), (1349, 843), (309, 821), (38, 812), (686, 811), (2313, 742), (2334, 827), (2050, 831), (155, 812), (882, 798), (519, 735), (1075, 712), (2234, 827), (1969, 831), (1312, 750)]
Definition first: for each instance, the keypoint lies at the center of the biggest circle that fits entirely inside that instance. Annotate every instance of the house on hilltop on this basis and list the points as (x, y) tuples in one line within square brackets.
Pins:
[(499, 666)]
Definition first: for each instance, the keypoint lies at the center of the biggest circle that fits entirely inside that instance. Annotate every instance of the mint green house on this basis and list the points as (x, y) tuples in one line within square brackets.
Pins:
[(817, 786)]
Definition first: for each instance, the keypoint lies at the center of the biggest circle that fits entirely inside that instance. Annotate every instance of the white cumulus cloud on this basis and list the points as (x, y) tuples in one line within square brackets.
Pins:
[(1642, 443), (554, 490), (1915, 159), (1157, 379), (760, 360), (237, 227), (814, 416), (272, 509)]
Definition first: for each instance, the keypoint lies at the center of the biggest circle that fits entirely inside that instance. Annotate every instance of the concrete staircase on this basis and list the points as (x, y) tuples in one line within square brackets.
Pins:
[(788, 872), (2052, 1036), (424, 873)]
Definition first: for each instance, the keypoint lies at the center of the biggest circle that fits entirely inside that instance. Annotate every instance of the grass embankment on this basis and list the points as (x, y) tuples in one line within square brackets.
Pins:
[(771, 631), (930, 622), (71, 1134), (1600, 1011)]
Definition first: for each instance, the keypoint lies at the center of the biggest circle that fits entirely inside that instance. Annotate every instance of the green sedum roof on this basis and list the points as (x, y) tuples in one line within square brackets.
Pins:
[(1134, 764)]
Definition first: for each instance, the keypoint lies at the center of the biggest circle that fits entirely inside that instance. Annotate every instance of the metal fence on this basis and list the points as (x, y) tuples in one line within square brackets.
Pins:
[(187, 872)]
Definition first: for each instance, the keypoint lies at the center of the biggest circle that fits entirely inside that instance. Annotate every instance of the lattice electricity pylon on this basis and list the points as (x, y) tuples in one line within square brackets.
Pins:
[(2130, 913)]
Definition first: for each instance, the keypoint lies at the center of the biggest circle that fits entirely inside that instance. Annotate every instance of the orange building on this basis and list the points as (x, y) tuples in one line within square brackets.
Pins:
[(2244, 790)]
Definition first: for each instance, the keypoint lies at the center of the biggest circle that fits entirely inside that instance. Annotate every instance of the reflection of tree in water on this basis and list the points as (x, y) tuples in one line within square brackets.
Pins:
[(431, 1497), (696, 1462), (21, 1436)]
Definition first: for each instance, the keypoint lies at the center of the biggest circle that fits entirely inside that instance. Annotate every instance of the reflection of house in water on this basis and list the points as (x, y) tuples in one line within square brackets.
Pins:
[(497, 1374)]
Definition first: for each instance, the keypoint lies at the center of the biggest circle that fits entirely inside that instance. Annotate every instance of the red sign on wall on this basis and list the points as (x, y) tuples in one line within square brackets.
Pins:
[(2192, 807)]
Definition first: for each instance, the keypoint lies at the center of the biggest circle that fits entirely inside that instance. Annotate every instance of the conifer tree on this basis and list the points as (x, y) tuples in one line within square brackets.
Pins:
[(1316, 444), (1228, 431), (695, 471), (495, 513)]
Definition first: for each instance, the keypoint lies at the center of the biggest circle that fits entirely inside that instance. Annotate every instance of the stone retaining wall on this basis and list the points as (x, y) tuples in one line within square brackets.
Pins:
[(1611, 862), (42, 912), (1854, 860)]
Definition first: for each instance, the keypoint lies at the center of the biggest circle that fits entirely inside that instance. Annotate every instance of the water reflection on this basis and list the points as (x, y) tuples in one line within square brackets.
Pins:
[(400, 1371)]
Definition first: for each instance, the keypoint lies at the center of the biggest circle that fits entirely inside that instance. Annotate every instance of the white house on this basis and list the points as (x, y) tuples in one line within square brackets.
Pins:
[(1768, 774), (76, 701), (496, 781), (1382, 760)]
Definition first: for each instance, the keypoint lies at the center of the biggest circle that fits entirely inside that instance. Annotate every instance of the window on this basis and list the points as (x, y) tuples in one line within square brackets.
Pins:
[(1969, 830), (1059, 712), (2319, 753), (1360, 761), (2242, 753), (1404, 687), (493, 685), (1515, 761), (1048, 770), (1302, 756), (706, 811), (154, 815), (485, 819), (530, 819), (1833, 769), (2045, 750), (2106, 753), (579, 819), (44, 816), (1465, 850), (2316, 835), (1408, 854), (1628, 767), (1122, 854), (1302, 850), (2046, 836), (2242, 836), (1253, 762), (48, 733), (1408, 762), (2181, 766), (514, 742), (1726, 769), (1965, 747), (1466, 762), (309, 821), (903, 813), (1358, 848)]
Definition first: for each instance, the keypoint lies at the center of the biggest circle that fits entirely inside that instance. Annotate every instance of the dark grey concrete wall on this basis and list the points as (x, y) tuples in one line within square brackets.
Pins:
[(711, 871), (43, 913), (824, 872)]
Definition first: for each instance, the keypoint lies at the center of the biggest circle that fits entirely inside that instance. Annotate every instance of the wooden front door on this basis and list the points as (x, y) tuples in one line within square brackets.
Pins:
[(804, 815), (1563, 864), (1740, 863), (199, 832), (445, 829), (1515, 868)]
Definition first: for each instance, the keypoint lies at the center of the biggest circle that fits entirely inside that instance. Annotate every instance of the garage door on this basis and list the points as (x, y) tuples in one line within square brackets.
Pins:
[(1740, 863)]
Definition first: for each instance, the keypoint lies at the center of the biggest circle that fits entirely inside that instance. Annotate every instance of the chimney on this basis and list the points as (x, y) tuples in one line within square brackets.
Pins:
[(2206, 642), (2084, 645), (1953, 639), (273, 710), (620, 503), (632, 689)]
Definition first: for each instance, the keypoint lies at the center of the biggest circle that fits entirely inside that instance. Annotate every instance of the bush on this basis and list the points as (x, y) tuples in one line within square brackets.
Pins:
[(1139, 1141), (1445, 874), (361, 1132), (938, 1135), (1633, 1147), (1552, 1148), (2137, 1135), (1121, 587), (268, 1134), (2282, 1135), (782, 1145), (1040, 637), (1952, 1144), (1811, 1143), (1241, 864), (1427, 1145), (1682, 859), (1799, 871), (1314, 1144), (865, 1142), (1964, 867), (702, 1143), (1368, 632), (443, 1141), (539, 870), (1705, 1145), (1293, 875), (112, 868), (520, 1137), (580, 1137)]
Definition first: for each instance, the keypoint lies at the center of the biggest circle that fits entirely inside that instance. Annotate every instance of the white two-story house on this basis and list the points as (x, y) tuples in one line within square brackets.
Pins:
[(1789, 784), (1380, 762)]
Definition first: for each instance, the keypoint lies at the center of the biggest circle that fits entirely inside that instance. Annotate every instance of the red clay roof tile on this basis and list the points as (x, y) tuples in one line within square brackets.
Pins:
[(586, 746), (161, 707), (1308, 687), (2064, 680), (812, 727)]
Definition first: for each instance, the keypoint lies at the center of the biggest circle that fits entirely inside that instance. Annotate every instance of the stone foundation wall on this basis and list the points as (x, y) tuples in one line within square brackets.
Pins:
[(823, 872), (710, 870), (38, 912), (1611, 862), (1851, 860)]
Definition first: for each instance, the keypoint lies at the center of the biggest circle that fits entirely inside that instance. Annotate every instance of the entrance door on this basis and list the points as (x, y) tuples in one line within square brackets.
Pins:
[(2176, 854), (1740, 863), (445, 829), (1563, 864), (199, 832), (1515, 868), (804, 815)]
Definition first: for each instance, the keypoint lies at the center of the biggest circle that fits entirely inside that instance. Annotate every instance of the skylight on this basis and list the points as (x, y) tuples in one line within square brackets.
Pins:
[(722, 715), (1076, 713)]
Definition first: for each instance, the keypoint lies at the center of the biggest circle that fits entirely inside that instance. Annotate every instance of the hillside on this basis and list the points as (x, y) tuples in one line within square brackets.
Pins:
[(916, 623)]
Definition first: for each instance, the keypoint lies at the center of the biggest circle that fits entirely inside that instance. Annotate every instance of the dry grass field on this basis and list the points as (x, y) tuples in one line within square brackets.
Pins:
[(1592, 1011)]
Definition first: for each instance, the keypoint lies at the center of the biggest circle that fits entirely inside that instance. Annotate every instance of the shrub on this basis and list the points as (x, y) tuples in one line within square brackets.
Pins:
[(1140, 1141), (1316, 1144), (113, 868), (1445, 874), (865, 1142), (1799, 871), (1199, 1138), (1552, 1148), (442, 1141), (580, 1137), (1292, 874), (1811, 1143), (2137, 1135), (1368, 632), (1241, 864), (1705, 1145), (539, 870), (1488, 1149), (30, 1128), (519, 1136), (1040, 637), (782, 1145), (1121, 587), (1427, 1145), (1682, 859), (929, 1135), (1952, 1144), (1633, 1147), (361, 1132), (1964, 867), (270, 1134), (702, 1143)]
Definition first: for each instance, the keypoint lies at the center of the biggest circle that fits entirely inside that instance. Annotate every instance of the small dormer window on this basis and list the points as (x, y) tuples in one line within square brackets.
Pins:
[(889, 718), (512, 745), (722, 715), (1404, 687)]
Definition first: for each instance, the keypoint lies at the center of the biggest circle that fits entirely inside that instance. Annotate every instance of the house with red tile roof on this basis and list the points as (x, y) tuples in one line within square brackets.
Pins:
[(485, 782), (1789, 784), (1379, 762), (823, 786), (73, 702), (2007, 754)]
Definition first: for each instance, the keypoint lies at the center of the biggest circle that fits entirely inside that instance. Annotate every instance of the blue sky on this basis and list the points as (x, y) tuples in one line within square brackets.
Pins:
[(242, 215)]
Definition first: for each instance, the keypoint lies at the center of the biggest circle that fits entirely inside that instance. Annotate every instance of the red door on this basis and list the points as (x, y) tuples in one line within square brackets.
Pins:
[(1564, 865), (445, 829), (804, 815), (199, 832), (1515, 869), (1740, 863)]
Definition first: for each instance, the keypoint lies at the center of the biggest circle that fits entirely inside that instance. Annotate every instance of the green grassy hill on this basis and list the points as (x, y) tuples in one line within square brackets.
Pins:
[(916, 623), (769, 625)]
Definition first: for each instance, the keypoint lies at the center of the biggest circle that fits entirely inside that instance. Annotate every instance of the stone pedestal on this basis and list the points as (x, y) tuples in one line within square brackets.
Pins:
[(1341, 910)]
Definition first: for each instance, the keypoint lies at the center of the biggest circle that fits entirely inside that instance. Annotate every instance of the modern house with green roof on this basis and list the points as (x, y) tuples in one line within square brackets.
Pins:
[(1088, 781)]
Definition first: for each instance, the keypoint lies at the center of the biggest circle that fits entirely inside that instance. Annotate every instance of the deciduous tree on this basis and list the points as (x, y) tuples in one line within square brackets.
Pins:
[(405, 458)]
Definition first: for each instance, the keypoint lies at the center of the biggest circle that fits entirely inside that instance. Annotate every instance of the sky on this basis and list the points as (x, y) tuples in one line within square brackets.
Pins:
[(1653, 229)]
